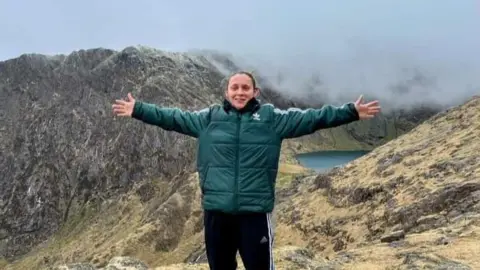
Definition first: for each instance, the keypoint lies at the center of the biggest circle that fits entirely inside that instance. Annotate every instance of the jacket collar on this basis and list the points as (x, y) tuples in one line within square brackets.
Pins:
[(251, 106)]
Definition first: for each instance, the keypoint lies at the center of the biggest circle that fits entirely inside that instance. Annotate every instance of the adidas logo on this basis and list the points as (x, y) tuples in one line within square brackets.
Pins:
[(264, 240)]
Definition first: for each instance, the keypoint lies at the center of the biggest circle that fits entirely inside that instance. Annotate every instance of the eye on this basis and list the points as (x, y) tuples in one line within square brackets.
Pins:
[(245, 87)]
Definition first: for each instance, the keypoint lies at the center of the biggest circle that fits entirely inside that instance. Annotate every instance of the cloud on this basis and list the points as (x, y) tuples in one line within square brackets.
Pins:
[(400, 75), (401, 52), (404, 54)]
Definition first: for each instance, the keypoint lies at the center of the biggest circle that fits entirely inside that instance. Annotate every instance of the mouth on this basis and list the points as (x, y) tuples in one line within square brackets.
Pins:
[(240, 99)]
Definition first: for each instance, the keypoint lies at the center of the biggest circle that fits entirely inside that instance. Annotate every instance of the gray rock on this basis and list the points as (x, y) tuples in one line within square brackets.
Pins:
[(116, 263), (446, 199), (393, 236), (198, 256), (125, 263), (414, 260), (429, 222), (76, 266), (442, 241), (304, 259)]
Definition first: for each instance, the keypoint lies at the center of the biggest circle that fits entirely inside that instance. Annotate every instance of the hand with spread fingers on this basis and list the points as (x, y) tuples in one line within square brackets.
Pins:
[(124, 107), (368, 110)]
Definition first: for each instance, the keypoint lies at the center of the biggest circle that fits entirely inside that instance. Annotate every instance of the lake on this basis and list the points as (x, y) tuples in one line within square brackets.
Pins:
[(325, 160)]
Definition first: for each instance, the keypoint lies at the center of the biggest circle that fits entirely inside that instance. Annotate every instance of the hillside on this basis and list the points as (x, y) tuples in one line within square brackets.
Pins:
[(79, 184), (413, 203)]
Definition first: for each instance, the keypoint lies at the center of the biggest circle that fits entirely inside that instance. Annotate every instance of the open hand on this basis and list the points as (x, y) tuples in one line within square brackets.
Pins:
[(124, 107), (368, 110)]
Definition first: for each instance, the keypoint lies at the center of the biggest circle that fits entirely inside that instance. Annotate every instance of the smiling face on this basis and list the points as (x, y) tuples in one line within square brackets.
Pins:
[(241, 89)]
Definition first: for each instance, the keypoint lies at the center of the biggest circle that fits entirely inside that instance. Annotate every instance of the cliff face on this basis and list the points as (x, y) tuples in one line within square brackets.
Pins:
[(70, 169), (61, 145)]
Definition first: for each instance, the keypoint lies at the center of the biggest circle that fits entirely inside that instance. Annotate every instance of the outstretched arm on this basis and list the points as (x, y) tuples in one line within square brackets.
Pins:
[(295, 122), (171, 119)]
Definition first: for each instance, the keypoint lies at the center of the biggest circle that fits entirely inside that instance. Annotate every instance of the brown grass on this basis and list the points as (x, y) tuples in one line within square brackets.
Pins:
[(447, 140)]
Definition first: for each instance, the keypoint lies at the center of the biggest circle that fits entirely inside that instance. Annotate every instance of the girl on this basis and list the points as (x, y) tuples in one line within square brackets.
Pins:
[(238, 152)]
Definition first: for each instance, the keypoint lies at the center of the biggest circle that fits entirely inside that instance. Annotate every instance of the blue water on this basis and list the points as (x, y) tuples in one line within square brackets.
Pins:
[(324, 160)]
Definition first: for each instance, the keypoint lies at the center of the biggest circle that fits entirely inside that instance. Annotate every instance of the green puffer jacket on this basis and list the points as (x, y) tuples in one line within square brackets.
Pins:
[(238, 151)]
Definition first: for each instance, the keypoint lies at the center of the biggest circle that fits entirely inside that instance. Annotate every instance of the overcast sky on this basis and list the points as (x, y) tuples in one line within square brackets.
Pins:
[(363, 40)]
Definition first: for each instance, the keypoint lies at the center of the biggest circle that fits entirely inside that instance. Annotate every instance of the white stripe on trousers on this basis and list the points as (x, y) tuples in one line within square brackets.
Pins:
[(270, 240)]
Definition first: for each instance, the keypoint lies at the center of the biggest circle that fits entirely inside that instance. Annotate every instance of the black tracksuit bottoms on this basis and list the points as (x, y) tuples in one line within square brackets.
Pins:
[(250, 234)]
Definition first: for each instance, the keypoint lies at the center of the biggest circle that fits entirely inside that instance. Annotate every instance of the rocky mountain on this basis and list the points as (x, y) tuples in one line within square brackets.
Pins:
[(79, 184), (413, 203)]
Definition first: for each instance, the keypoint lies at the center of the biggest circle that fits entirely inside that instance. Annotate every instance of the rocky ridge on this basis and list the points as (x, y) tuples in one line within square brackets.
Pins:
[(79, 184)]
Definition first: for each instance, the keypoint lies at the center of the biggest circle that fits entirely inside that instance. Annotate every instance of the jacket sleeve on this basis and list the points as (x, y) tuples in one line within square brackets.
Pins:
[(189, 123), (296, 122)]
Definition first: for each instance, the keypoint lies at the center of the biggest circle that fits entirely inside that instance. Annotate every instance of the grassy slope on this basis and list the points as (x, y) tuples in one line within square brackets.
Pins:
[(411, 184)]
